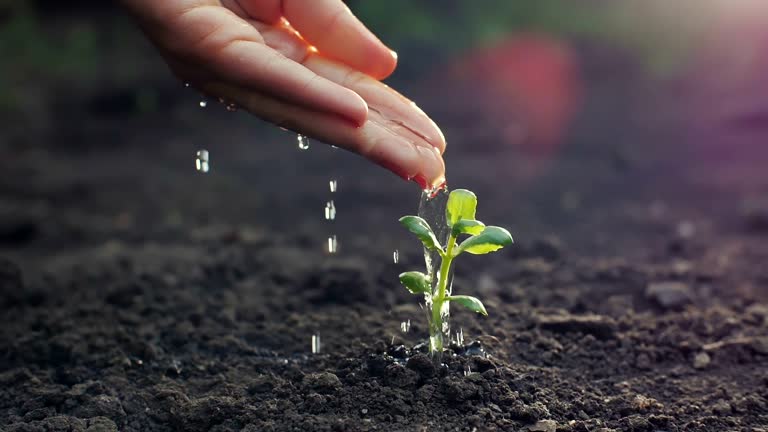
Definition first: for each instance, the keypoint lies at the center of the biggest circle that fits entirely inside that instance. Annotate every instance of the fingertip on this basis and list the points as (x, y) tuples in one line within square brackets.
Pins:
[(432, 167), (356, 109), (431, 176), (385, 66), (441, 144)]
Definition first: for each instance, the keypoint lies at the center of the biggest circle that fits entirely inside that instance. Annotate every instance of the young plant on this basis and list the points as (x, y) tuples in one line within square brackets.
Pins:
[(460, 218)]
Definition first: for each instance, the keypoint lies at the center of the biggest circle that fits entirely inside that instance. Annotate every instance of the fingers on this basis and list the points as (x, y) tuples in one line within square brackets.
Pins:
[(233, 50), (266, 11), (397, 135), (397, 112), (218, 43), (331, 27), (405, 156), (413, 143)]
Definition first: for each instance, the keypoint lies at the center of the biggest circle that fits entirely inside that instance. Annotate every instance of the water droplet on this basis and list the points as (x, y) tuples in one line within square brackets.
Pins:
[(431, 193), (364, 411), (303, 142), (396, 256), (468, 370), (203, 103), (460, 337), (186, 84), (330, 210), (202, 161), (334, 147), (334, 185), (405, 326), (316, 343), (333, 245), (175, 367), (231, 107), (432, 210), (393, 340)]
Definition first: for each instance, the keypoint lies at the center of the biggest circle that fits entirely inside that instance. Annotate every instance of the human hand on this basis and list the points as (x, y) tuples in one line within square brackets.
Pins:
[(305, 65)]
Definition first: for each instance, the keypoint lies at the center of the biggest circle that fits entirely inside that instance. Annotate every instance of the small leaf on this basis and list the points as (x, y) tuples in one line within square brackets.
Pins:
[(462, 204), (491, 239), (470, 303), (468, 226), (421, 228), (415, 282)]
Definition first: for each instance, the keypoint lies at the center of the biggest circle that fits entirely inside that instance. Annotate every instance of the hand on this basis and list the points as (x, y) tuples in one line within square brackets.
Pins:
[(305, 65)]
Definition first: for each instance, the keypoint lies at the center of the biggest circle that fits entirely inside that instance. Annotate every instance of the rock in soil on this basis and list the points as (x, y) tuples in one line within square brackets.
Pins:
[(323, 382), (422, 364), (670, 295), (599, 326), (701, 360), (543, 426)]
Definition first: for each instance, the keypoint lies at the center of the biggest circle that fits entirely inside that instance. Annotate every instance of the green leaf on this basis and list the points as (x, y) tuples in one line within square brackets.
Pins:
[(470, 303), (467, 226), (491, 239), (462, 204), (415, 282), (421, 228)]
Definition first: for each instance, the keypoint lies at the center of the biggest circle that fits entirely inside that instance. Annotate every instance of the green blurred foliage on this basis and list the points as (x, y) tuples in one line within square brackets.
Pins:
[(458, 24), (641, 27), (30, 52), (82, 47)]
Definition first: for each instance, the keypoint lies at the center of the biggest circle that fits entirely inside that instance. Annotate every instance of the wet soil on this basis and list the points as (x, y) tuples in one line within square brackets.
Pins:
[(139, 295)]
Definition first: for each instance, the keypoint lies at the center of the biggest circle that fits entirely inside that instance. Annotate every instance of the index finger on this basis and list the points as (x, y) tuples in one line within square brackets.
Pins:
[(331, 27)]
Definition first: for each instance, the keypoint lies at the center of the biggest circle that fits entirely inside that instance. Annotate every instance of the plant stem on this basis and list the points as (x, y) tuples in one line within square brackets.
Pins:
[(436, 329)]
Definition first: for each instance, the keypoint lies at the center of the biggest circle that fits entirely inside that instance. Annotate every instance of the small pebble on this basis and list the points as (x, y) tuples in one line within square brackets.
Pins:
[(543, 426), (323, 382), (670, 295), (701, 360)]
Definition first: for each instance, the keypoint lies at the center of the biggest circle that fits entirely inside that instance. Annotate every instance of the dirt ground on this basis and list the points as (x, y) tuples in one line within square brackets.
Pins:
[(137, 294)]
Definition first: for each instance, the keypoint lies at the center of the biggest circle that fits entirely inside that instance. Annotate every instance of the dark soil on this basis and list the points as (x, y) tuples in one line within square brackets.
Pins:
[(139, 295)]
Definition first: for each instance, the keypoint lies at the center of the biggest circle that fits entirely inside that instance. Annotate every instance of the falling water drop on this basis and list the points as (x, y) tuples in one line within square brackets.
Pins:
[(316, 343), (186, 85), (396, 256), (468, 371), (203, 103), (202, 161), (333, 245), (405, 326), (334, 185), (303, 142), (330, 211), (432, 209), (460, 337)]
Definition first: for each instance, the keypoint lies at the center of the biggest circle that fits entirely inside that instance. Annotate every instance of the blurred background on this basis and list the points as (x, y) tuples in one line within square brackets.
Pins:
[(610, 126)]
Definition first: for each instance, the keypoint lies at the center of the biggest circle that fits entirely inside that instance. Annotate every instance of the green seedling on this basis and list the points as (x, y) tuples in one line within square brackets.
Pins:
[(460, 217)]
